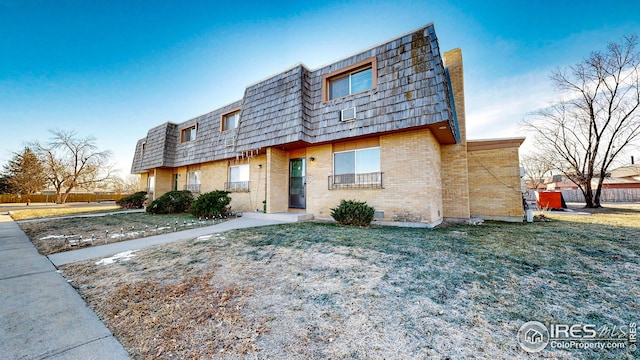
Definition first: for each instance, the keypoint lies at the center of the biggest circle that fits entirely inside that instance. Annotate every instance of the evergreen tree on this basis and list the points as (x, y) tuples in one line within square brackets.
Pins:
[(24, 173), (4, 185)]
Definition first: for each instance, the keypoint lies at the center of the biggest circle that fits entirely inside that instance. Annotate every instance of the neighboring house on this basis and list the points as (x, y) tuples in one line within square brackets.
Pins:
[(537, 185), (386, 126), (629, 172), (621, 186), (559, 182), (621, 178)]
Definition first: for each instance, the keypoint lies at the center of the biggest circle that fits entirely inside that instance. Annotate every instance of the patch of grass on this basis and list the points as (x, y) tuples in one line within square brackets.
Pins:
[(316, 290), (24, 214), (48, 236)]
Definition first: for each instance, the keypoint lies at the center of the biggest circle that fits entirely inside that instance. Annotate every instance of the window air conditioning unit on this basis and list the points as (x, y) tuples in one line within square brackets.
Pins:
[(348, 114)]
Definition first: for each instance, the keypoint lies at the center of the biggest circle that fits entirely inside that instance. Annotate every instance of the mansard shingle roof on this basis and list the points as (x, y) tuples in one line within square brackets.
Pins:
[(288, 108)]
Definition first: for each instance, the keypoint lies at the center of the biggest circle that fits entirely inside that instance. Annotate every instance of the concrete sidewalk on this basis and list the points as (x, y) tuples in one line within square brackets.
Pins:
[(101, 251), (41, 315)]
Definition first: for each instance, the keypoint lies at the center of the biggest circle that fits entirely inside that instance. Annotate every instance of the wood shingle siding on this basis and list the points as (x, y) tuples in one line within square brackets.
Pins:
[(272, 112), (410, 92)]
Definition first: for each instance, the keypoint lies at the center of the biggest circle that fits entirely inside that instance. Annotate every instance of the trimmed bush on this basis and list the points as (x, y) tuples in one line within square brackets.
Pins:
[(212, 204), (351, 212), (173, 202), (133, 201)]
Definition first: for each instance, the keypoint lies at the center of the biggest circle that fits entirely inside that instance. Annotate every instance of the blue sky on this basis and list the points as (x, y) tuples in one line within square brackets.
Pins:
[(114, 69)]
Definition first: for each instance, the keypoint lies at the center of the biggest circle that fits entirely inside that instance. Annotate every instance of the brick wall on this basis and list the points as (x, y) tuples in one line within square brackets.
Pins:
[(494, 184), (277, 180), (252, 200), (144, 181), (410, 162), (319, 199), (213, 176), (164, 181), (455, 191)]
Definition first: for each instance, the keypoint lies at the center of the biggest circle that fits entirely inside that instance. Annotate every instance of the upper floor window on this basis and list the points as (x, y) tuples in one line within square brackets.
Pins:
[(353, 79), (350, 84), (188, 134), (230, 120)]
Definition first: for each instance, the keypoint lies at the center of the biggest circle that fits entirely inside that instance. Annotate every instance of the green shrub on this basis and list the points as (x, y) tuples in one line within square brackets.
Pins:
[(133, 201), (351, 212), (212, 204), (173, 202)]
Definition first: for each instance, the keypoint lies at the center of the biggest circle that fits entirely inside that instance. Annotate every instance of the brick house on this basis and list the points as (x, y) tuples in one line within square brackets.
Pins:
[(386, 126)]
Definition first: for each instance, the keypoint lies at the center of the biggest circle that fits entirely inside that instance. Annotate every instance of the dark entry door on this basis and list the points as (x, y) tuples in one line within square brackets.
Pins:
[(175, 181), (297, 183)]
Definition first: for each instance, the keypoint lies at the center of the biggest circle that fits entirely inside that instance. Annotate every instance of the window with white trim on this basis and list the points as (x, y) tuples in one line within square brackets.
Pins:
[(357, 168), (193, 181), (238, 178)]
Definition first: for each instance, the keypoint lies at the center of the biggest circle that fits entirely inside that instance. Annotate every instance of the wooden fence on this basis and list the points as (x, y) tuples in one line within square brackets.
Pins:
[(73, 197), (607, 195)]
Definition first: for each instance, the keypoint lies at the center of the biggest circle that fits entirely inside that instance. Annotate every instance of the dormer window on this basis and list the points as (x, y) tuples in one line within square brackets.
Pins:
[(188, 134), (230, 120), (350, 84), (353, 79)]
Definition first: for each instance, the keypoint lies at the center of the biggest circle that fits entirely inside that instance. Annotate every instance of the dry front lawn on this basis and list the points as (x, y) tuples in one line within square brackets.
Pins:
[(35, 213), (322, 291), (49, 236)]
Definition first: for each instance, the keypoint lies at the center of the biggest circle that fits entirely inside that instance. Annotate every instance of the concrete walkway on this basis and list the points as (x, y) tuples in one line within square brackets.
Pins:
[(43, 317)]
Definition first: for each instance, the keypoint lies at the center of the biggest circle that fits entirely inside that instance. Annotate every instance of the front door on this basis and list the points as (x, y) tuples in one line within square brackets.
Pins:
[(175, 182), (297, 183)]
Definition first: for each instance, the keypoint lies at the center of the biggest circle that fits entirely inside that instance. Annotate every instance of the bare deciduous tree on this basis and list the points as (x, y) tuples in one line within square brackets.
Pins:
[(71, 162), (536, 167), (598, 118), (128, 184)]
